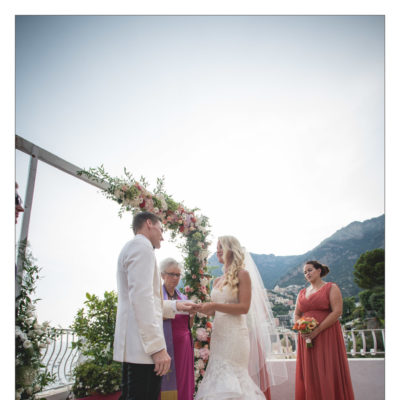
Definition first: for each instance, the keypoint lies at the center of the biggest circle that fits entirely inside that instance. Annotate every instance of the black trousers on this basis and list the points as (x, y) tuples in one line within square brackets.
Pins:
[(140, 382)]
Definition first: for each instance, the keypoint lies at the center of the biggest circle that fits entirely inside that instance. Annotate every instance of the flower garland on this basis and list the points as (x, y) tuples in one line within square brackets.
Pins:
[(31, 338), (134, 196)]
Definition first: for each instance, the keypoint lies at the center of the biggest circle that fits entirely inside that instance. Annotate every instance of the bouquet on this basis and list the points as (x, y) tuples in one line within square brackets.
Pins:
[(306, 325)]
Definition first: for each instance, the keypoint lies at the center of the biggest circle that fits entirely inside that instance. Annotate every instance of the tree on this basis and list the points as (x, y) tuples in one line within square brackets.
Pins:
[(369, 274), (349, 305), (369, 270)]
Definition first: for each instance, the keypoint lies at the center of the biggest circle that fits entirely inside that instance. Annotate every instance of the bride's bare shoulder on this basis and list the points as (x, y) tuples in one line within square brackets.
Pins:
[(243, 274), (216, 280)]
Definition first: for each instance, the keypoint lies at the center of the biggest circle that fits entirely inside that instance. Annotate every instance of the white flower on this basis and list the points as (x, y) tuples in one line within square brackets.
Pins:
[(197, 353), (194, 298), (36, 388), (29, 390), (204, 281), (17, 396), (27, 344), (36, 326), (48, 341)]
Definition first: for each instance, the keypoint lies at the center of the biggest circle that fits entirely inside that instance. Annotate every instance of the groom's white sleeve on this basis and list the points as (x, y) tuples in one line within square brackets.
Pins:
[(140, 274), (169, 309)]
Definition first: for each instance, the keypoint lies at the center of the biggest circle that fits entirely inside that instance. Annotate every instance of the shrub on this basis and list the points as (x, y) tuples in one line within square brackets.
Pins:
[(94, 326)]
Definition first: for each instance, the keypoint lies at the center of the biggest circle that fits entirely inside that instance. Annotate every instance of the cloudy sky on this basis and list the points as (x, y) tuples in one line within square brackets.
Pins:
[(272, 125)]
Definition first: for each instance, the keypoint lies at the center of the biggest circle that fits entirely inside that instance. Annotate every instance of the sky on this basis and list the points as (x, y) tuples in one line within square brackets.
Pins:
[(273, 126)]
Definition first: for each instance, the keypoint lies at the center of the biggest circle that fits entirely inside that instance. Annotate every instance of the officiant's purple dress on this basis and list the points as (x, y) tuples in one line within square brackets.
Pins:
[(178, 383)]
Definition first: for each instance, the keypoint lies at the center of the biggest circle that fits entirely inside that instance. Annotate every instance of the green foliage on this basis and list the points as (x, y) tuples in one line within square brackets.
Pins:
[(369, 270), (377, 303), (349, 306), (94, 326), (369, 274), (91, 378), (31, 337), (280, 309), (364, 299)]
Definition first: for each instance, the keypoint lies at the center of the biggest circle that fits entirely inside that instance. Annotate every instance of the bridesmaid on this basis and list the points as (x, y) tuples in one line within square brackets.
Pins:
[(178, 383), (322, 371)]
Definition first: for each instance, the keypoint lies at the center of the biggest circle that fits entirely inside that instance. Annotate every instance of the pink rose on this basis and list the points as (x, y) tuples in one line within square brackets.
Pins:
[(202, 334), (204, 353)]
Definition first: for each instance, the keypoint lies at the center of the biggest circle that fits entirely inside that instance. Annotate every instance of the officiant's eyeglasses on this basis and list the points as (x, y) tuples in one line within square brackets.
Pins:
[(172, 275)]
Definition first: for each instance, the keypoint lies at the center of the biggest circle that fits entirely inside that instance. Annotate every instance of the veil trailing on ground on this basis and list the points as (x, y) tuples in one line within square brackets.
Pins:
[(264, 366)]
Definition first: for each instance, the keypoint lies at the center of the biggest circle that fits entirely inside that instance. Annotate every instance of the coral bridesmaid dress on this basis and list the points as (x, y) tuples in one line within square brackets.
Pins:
[(322, 372)]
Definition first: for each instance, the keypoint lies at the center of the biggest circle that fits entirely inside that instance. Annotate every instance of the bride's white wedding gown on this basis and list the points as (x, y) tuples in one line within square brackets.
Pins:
[(227, 375)]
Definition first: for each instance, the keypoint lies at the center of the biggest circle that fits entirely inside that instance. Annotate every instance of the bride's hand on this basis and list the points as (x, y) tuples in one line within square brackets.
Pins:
[(207, 308)]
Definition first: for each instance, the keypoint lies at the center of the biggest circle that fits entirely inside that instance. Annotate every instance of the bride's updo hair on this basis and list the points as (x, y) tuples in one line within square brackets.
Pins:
[(317, 265), (233, 255)]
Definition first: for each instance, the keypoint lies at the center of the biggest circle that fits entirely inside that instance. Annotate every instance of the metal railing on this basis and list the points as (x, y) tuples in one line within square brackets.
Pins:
[(361, 342), (60, 359)]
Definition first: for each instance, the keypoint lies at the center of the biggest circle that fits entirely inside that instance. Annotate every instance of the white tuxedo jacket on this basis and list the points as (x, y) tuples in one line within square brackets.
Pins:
[(139, 326)]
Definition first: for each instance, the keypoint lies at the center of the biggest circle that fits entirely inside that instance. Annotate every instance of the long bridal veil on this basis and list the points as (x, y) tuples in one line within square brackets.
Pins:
[(264, 366)]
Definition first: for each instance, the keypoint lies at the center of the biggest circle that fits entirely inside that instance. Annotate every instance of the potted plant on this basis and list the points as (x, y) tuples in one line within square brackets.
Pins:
[(98, 376)]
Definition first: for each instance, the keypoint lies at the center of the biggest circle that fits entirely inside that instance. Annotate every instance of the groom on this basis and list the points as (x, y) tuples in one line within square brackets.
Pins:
[(139, 338)]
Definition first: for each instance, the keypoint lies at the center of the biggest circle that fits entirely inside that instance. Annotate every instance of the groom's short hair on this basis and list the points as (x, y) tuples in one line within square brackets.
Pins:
[(140, 218)]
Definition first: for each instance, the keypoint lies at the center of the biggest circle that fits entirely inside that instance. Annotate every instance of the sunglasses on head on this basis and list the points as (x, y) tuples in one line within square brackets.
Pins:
[(18, 200)]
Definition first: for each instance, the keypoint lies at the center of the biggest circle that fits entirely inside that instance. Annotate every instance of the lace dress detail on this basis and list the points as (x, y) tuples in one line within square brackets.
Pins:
[(227, 374)]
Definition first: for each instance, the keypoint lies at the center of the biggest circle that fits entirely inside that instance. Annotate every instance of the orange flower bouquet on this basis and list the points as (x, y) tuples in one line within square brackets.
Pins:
[(306, 325)]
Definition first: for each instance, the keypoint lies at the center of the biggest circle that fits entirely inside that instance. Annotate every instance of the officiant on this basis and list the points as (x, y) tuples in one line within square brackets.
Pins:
[(178, 383)]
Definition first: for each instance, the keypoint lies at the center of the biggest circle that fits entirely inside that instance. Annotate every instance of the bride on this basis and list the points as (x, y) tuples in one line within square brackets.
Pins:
[(240, 339)]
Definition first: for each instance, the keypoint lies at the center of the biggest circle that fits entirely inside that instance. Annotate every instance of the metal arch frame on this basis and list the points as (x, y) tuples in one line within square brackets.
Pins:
[(39, 154)]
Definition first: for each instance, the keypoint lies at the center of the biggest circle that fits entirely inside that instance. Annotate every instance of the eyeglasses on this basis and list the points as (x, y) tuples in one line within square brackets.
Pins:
[(18, 200), (172, 275)]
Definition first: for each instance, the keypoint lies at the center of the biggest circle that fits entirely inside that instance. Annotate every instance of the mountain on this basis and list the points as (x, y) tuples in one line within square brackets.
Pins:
[(340, 252)]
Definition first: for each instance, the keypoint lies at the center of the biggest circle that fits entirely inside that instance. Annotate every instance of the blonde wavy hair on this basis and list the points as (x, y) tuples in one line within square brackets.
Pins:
[(233, 255)]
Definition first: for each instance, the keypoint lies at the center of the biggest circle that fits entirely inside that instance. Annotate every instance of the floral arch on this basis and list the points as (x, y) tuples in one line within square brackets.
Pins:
[(134, 196)]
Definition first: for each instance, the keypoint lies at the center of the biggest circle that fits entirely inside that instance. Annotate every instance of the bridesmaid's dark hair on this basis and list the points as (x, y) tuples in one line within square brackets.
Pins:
[(324, 268)]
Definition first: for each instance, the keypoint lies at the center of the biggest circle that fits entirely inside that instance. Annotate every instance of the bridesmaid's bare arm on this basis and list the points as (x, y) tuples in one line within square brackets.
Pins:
[(297, 312)]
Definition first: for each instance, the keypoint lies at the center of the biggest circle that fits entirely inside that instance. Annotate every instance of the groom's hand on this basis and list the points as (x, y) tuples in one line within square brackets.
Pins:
[(162, 362)]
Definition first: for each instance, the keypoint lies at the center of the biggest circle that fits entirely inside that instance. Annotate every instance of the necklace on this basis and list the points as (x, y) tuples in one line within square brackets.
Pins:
[(313, 290), (172, 297)]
